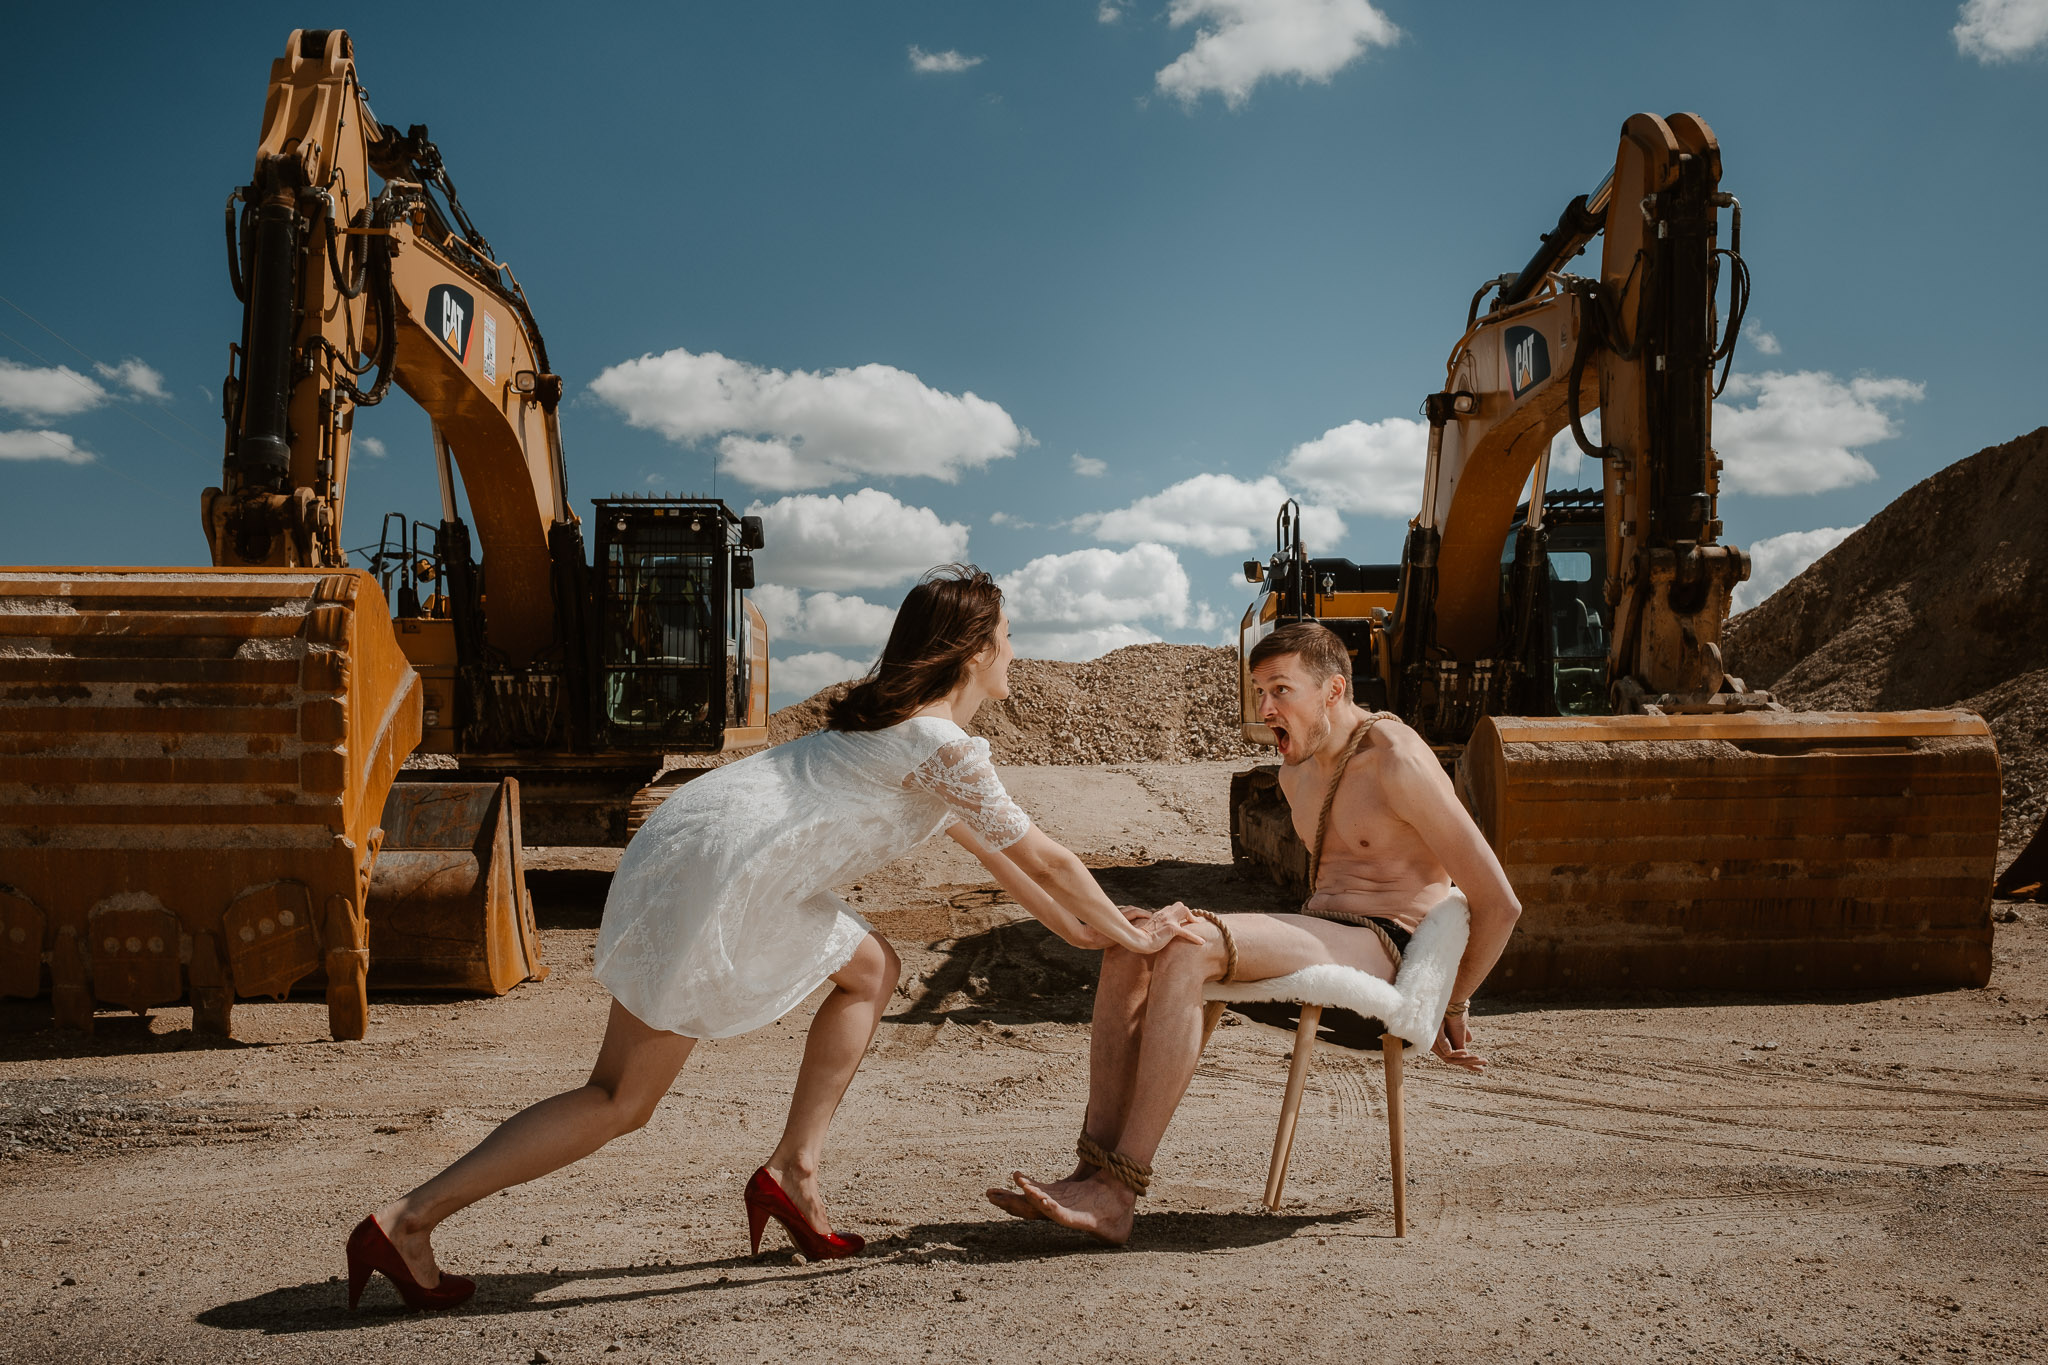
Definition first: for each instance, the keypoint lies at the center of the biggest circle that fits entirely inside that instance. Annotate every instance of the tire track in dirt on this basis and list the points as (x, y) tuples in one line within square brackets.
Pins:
[(2000, 1099), (1638, 1135)]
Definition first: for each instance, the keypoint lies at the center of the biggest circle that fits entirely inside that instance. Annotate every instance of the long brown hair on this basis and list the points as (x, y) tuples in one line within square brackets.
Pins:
[(950, 616)]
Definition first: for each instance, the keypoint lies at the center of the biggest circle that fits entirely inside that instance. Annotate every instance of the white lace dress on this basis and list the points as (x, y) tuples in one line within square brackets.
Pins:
[(720, 917)]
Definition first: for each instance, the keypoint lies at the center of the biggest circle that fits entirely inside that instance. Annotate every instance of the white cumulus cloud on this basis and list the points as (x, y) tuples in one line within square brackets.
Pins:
[(136, 377), (1801, 433), (1566, 459), (1110, 11), (791, 429), (371, 447), (1777, 560), (1239, 43), (47, 391), (2001, 30), (1765, 342), (1374, 468), (1216, 513), (860, 540), (1086, 602), (1089, 467), (42, 445), (938, 62), (823, 618), (801, 675)]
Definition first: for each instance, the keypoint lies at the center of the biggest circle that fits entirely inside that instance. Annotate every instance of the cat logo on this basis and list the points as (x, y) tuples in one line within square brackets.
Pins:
[(450, 311), (1528, 359)]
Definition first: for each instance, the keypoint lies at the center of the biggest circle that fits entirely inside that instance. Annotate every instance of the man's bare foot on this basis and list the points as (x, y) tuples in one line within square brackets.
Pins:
[(1017, 1206), (415, 1244), (1098, 1206), (1014, 1204)]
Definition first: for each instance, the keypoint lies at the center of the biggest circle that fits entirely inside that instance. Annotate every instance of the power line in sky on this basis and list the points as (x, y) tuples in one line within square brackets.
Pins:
[(102, 367)]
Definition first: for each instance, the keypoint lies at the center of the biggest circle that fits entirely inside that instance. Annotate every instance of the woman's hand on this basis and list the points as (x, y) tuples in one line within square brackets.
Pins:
[(1161, 927), (1085, 935)]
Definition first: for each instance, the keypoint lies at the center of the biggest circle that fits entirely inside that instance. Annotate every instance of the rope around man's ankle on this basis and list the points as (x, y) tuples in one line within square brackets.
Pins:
[(1229, 945), (1134, 1177)]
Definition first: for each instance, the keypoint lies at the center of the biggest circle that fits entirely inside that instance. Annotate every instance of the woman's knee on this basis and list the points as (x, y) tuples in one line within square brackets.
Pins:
[(873, 972), (628, 1109)]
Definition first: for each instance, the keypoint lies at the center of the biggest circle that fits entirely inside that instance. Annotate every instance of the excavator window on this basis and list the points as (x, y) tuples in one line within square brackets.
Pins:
[(1566, 653), (1574, 607), (663, 642)]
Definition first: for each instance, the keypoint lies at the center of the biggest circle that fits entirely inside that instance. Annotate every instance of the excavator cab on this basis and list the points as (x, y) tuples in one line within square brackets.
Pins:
[(674, 636), (1551, 579)]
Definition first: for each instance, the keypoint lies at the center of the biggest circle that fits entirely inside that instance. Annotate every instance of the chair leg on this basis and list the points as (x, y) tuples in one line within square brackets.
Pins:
[(1390, 1052), (1290, 1107)]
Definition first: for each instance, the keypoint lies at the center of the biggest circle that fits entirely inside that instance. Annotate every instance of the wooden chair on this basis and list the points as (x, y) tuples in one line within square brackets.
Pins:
[(1406, 1012)]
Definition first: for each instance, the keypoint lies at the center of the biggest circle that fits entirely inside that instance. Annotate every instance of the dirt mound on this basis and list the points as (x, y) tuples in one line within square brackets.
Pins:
[(1942, 600), (1138, 704)]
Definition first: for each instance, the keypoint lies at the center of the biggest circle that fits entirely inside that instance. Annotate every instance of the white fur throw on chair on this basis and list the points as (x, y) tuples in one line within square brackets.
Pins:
[(1411, 1006)]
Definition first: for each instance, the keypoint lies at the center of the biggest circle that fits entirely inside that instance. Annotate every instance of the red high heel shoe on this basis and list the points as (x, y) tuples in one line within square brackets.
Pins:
[(766, 1199), (369, 1249)]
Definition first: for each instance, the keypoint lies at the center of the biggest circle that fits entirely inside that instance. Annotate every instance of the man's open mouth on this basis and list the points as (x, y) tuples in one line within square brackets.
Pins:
[(1280, 736)]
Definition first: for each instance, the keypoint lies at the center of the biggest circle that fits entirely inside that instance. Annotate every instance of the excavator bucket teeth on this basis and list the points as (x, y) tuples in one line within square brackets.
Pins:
[(448, 903), (192, 765), (1761, 851)]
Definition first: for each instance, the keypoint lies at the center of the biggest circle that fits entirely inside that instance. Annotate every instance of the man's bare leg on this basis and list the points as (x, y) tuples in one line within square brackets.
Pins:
[(1170, 1047), (1113, 1061)]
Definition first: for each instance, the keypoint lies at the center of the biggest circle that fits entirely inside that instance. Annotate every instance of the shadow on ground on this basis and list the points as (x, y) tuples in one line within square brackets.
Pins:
[(322, 1306), (568, 898)]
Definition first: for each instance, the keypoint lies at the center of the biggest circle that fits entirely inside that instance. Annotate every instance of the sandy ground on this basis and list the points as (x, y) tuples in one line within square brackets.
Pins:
[(1686, 1179)]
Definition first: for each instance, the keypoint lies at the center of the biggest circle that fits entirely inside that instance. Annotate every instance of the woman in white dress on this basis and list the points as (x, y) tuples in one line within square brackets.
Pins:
[(720, 920)]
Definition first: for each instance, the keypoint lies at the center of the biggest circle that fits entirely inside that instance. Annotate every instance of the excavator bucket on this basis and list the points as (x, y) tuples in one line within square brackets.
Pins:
[(448, 903), (1764, 851), (192, 767)]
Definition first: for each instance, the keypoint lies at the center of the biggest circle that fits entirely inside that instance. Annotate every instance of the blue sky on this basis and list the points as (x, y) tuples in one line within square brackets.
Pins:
[(1162, 241)]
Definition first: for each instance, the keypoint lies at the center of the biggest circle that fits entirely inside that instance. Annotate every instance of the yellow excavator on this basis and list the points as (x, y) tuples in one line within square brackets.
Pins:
[(1665, 826), (198, 766)]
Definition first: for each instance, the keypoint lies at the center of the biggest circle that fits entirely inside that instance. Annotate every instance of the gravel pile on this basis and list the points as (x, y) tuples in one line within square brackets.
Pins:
[(1941, 601), (1138, 704)]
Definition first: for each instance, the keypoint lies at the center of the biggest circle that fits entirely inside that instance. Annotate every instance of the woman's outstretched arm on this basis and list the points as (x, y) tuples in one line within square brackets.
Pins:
[(1074, 907)]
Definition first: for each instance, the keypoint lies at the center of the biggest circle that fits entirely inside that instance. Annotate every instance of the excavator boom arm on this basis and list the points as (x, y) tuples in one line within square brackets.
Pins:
[(345, 293)]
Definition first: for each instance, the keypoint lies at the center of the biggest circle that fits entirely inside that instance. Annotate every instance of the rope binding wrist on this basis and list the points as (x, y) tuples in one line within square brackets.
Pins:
[(1457, 1009), (1130, 1174)]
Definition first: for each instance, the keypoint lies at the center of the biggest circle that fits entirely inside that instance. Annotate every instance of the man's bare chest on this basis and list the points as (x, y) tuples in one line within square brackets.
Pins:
[(1360, 819)]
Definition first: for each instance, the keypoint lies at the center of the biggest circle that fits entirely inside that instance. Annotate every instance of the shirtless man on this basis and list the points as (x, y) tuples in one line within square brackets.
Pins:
[(1398, 840)]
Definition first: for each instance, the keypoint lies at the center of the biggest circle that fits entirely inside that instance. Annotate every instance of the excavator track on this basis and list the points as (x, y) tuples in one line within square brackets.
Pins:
[(193, 763)]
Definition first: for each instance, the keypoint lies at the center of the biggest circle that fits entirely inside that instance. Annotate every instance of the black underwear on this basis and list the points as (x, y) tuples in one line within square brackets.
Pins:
[(1395, 932)]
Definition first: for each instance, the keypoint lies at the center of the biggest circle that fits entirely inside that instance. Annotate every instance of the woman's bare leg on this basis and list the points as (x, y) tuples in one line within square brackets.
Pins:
[(839, 1038), (635, 1067)]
